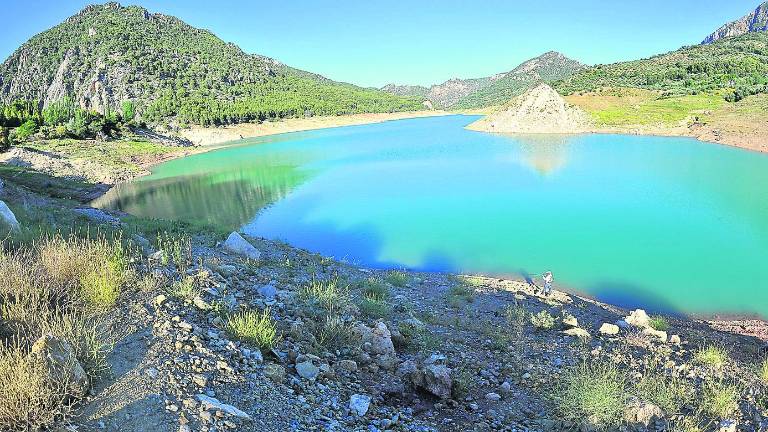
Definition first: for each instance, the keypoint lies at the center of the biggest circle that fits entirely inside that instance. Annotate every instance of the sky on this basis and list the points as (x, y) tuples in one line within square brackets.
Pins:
[(372, 42)]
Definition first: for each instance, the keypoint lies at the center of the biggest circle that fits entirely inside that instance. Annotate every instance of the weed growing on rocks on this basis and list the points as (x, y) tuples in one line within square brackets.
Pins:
[(719, 398), (595, 393), (397, 278), (669, 394), (330, 295), (711, 356), (543, 320), (659, 323), (254, 327)]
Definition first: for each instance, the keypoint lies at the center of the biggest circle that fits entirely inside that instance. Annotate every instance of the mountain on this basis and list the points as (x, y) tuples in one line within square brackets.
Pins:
[(538, 110), (755, 21), (739, 64), (547, 68), (108, 54), (496, 89)]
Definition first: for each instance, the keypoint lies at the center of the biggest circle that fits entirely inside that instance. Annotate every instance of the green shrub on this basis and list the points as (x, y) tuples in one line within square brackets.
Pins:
[(659, 323), (595, 393), (543, 320), (176, 249), (670, 394), (711, 356), (397, 278), (373, 308), (334, 333), (375, 289), (719, 399), (763, 371), (330, 294), (460, 294), (257, 328), (27, 129), (184, 289)]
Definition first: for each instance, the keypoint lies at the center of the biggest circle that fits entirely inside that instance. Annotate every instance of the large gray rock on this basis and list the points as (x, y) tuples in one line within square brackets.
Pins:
[(236, 244), (437, 380), (307, 370), (7, 218), (58, 358)]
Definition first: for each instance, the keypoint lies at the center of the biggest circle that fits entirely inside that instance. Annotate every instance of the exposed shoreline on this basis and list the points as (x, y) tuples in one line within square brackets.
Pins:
[(212, 136)]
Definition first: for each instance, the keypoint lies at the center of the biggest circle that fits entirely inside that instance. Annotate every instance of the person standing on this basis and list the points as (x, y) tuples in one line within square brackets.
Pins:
[(548, 278)]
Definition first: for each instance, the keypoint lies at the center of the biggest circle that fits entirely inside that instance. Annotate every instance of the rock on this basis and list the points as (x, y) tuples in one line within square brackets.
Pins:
[(359, 404), (201, 304), (609, 329), (623, 325), (8, 218), (97, 215), (675, 339), (578, 332), (570, 321), (638, 318), (381, 340), (661, 335), (268, 291), (58, 358), (437, 380), (493, 397), (160, 299), (236, 244), (307, 370), (200, 380), (728, 426), (275, 372), (643, 413), (346, 366), (214, 404)]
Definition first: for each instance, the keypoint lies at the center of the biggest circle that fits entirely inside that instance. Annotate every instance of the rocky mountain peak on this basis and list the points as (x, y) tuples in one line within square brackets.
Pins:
[(755, 21)]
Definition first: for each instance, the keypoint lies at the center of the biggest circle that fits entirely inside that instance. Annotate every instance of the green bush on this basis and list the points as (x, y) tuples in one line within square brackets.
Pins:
[(720, 399), (659, 323), (594, 393), (670, 394), (711, 356), (257, 328), (763, 371), (397, 278), (543, 320), (330, 295), (27, 129)]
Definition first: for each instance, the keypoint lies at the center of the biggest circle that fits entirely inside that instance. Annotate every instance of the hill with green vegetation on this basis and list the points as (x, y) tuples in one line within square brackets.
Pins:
[(755, 21), (738, 64), (493, 90), (108, 59), (547, 68)]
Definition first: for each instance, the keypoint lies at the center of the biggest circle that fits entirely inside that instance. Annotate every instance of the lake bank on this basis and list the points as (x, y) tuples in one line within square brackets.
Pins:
[(211, 136)]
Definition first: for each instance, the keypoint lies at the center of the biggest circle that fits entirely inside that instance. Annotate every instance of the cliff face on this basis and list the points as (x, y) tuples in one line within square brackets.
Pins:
[(540, 110), (755, 21)]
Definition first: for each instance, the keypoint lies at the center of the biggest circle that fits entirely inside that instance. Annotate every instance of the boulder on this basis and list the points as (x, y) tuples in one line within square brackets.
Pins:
[(236, 244), (359, 404), (378, 342), (58, 358), (642, 413), (675, 339), (570, 321), (8, 218), (437, 380), (609, 329), (638, 318)]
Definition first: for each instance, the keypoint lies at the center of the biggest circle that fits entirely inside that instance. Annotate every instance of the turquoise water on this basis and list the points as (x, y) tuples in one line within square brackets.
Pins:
[(670, 224)]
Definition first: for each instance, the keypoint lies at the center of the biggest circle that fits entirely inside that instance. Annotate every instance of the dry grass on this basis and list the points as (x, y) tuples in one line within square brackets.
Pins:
[(595, 393), (330, 295), (30, 399), (712, 356), (58, 286)]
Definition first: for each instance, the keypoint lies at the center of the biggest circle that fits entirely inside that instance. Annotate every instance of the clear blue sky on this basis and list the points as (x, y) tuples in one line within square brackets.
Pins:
[(371, 43)]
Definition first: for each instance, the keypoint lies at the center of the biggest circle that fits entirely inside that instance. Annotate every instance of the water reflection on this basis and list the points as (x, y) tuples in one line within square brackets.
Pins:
[(545, 154), (228, 198)]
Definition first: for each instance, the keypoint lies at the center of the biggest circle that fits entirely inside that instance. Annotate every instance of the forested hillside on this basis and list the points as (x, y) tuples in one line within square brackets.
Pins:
[(738, 63), (109, 55)]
